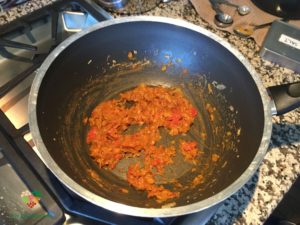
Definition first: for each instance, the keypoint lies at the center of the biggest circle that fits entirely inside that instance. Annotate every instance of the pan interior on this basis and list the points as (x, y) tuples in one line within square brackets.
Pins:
[(96, 67)]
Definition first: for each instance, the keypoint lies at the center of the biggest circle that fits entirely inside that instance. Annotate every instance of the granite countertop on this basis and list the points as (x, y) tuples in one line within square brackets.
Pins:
[(253, 203)]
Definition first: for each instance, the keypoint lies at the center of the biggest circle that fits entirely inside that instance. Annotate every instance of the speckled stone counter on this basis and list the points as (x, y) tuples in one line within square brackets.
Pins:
[(253, 203)]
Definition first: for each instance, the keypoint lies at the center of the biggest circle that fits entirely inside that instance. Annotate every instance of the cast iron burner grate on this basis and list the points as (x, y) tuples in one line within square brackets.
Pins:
[(23, 47)]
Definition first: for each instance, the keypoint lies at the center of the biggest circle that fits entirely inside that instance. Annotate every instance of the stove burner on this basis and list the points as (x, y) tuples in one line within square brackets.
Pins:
[(26, 42), (6, 4)]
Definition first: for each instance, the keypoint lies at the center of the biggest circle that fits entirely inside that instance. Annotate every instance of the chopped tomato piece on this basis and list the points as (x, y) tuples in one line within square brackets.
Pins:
[(91, 134), (193, 112)]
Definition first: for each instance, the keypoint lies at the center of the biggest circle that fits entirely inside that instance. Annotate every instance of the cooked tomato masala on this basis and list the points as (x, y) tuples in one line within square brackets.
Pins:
[(142, 110)]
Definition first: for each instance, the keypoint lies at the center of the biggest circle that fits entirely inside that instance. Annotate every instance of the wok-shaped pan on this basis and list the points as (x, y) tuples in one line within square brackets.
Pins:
[(93, 66)]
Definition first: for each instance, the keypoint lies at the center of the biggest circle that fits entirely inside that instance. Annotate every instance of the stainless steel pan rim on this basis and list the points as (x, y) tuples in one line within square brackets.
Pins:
[(137, 211)]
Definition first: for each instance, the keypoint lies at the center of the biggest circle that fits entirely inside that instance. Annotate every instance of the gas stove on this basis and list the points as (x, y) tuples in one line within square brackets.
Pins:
[(29, 192), (7, 4)]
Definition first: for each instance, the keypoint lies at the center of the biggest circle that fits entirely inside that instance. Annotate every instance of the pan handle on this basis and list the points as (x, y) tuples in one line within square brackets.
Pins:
[(286, 97)]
